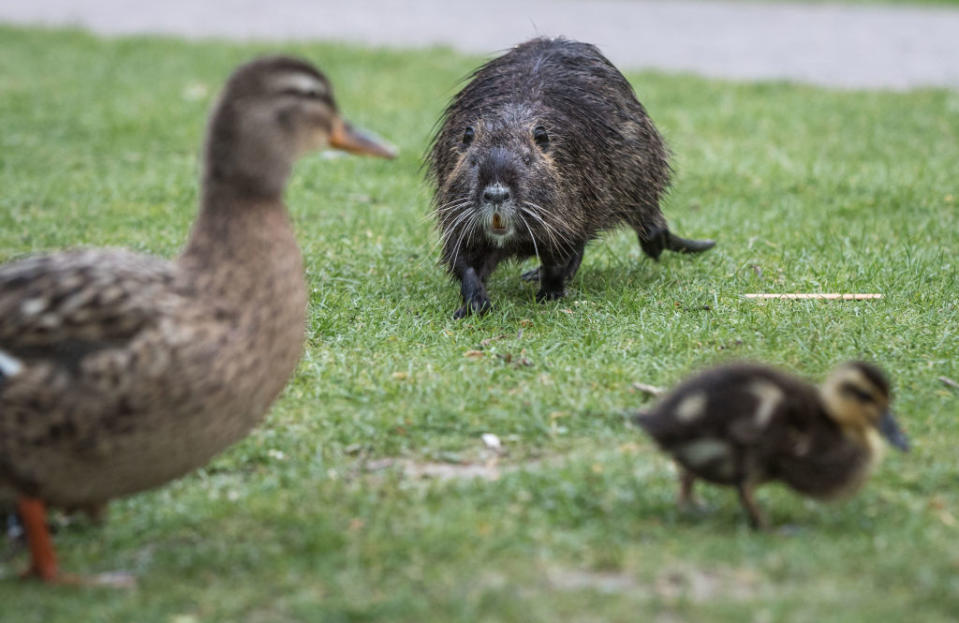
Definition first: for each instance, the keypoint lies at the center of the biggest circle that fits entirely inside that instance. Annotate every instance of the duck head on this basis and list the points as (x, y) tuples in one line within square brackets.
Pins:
[(272, 111), (857, 397)]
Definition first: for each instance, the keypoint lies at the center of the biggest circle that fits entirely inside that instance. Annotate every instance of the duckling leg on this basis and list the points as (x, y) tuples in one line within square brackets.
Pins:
[(756, 519), (686, 498), (43, 560)]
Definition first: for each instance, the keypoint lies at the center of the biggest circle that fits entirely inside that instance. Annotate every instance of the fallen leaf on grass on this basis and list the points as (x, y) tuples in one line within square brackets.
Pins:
[(940, 509), (489, 340), (492, 442), (473, 354)]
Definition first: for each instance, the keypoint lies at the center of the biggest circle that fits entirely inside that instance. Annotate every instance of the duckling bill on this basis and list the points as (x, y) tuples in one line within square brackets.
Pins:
[(743, 425), (120, 372)]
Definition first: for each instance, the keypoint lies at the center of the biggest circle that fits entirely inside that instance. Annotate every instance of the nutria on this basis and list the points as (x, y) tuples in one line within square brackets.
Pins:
[(543, 149)]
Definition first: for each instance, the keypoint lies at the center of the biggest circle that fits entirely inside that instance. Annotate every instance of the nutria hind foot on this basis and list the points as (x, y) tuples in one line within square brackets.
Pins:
[(662, 239)]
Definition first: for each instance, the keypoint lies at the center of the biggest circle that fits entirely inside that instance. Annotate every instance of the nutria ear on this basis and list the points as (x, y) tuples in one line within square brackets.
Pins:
[(468, 135)]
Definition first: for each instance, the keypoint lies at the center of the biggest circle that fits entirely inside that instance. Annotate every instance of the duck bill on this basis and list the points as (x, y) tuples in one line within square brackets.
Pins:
[(348, 138), (889, 429)]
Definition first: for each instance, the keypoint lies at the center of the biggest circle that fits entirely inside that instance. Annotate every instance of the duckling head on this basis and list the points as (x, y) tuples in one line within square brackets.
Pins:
[(272, 111), (857, 396)]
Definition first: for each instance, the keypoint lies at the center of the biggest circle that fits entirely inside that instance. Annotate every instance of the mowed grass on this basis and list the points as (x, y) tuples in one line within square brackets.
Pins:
[(806, 190)]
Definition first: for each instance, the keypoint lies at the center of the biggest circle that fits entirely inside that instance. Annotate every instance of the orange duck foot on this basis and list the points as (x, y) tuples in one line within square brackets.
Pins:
[(43, 559)]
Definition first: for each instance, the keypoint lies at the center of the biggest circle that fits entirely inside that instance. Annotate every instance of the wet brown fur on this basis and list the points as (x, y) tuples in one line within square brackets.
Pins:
[(554, 125)]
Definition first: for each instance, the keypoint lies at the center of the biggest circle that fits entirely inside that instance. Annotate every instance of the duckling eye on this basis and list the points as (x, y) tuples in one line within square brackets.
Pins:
[(860, 394), (541, 136), (468, 135)]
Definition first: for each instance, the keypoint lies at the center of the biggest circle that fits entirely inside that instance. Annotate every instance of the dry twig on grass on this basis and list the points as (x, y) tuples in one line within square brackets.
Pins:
[(834, 296), (948, 381)]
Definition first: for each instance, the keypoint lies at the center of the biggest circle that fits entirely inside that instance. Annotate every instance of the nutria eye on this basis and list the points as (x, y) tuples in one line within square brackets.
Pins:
[(540, 136), (468, 136)]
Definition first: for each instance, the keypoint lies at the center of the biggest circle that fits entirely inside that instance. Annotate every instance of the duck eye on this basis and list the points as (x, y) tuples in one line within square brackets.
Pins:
[(860, 394), (468, 135), (540, 136)]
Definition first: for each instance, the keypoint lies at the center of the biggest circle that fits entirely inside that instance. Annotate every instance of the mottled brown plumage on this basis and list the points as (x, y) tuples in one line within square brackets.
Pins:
[(120, 372), (545, 148), (746, 424)]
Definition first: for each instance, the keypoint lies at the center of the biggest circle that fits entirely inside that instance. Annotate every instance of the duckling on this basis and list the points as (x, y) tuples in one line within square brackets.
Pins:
[(120, 372), (746, 424)]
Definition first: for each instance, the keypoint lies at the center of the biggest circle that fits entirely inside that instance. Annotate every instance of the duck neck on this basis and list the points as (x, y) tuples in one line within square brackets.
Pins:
[(239, 240)]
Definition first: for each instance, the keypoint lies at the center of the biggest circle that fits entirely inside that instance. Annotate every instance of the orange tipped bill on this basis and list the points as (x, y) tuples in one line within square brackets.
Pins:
[(356, 141)]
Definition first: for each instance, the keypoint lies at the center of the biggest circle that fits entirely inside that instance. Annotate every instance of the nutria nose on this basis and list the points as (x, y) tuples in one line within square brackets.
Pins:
[(496, 193)]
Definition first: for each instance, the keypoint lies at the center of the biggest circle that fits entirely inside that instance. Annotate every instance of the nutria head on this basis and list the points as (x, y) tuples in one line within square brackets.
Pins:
[(502, 178)]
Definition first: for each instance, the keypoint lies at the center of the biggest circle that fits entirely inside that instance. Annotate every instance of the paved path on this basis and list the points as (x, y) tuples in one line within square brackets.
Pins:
[(834, 45)]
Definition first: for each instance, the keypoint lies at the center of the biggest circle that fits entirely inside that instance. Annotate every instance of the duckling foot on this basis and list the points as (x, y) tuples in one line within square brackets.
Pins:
[(687, 501)]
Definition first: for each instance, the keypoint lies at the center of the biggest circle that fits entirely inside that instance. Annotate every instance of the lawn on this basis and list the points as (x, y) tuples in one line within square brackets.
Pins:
[(355, 501)]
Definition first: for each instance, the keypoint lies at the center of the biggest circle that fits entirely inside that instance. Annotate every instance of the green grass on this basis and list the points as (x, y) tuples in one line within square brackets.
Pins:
[(805, 189)]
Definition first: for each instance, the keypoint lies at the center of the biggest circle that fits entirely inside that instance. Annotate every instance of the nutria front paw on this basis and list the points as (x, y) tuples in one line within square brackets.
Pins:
[(549, 295), (479, 305)]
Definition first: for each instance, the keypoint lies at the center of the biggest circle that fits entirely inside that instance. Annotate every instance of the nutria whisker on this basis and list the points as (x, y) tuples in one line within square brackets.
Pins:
[(555, 234), (458, 221), (471, 224), (546, 227), (531, 236), (453, 205)]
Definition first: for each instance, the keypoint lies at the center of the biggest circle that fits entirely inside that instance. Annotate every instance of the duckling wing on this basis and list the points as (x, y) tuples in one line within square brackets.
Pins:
[(54, 305), (728, 419)]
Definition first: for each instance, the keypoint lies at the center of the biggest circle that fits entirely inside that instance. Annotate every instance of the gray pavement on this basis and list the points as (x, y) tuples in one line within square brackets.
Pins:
[(851, 46)]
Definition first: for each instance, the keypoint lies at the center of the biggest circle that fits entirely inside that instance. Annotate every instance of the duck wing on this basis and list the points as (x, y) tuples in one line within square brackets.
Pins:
[(65, 304)]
